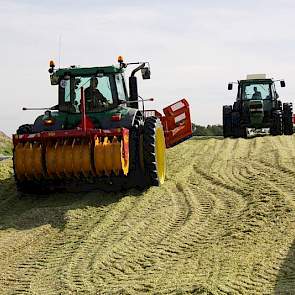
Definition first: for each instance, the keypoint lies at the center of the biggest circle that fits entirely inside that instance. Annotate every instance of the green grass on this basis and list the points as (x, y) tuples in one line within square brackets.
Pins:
[(5, 145)]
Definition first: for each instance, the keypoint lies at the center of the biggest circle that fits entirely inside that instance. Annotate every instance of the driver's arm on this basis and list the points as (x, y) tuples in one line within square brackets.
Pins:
[(102, 98)]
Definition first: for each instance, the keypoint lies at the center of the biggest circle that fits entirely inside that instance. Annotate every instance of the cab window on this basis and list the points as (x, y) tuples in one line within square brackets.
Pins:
[(98, 91), (256, 91), (120, 87)]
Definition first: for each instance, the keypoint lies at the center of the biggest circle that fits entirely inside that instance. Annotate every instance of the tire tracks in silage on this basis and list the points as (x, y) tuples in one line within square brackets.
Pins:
[(253, 221), (226, 205), (137, 253), (36, 270), (279, 174), (32, 272), (269, 202), (199, 234), (105, 244), (237, 207), (173, 238), (79, 243), (157, 228)]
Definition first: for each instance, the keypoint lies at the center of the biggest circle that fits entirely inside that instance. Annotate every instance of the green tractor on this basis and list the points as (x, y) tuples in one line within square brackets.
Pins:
[(97, 133), (257, 109)]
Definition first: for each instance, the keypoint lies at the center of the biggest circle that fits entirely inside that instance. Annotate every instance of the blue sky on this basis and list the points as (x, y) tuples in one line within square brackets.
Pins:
[(194, 48)]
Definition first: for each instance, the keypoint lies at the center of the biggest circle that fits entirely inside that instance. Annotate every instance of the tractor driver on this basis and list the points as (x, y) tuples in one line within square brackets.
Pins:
[(256, 94), (93, 97)]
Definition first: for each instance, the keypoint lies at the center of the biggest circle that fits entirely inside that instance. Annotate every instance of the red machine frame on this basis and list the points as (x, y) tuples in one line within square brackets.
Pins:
[(176, 122)]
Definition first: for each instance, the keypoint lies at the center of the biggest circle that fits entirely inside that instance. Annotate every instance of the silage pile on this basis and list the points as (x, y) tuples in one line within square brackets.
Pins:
[(223, 223), (5, 144)]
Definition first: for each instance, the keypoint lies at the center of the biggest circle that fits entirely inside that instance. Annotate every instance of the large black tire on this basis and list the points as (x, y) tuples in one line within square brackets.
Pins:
[(135, 175), (227, 121), (25, 129), (277, 123), (287, 118), (237, 130), (154, 155)]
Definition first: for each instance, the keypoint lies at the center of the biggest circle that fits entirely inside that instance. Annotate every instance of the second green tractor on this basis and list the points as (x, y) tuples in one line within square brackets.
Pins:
[(257, 109)]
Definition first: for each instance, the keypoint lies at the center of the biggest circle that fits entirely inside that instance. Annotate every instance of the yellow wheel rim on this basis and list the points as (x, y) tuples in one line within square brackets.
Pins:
[(160, 149)]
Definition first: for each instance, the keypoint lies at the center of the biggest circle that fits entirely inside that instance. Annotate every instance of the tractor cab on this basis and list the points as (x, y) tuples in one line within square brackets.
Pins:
[(256, 87), (104, 88)]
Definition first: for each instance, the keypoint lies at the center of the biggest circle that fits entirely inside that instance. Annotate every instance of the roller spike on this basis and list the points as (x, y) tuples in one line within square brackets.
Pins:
[(37, 161), (50, 159), (98, 157), (116, 150), (76, 149), (68, 158), (59, 160), (86, 159), (19, 161), (28, 161), (108, 161)]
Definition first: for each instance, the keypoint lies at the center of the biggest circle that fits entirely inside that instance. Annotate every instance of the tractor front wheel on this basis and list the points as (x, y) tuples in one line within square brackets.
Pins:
[(227, 121), (154, 151), (238, 130)]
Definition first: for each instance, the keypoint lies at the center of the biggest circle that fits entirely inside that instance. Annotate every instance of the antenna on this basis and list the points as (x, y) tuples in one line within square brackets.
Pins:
[(59, 50)]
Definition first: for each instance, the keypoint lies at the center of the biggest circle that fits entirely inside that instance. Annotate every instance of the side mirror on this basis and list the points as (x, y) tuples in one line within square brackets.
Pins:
[(283, 84), (230, 86), (276, 94), (54, 80), (146, 73)]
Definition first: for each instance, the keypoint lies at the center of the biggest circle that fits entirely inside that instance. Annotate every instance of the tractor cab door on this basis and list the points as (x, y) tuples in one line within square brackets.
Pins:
[(176, 122)]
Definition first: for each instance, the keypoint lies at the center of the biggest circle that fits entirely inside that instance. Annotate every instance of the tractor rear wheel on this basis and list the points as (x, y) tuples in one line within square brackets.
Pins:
[(287, 118), (237, 130), (227, 121), (277, 123), (154, 151)]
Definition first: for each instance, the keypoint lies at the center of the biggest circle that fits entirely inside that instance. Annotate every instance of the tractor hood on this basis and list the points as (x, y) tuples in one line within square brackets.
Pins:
[(256, 106), (256, 112), (118, 117)]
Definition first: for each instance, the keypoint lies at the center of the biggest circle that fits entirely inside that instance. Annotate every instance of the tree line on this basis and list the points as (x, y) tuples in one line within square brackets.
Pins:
[(209, 130)]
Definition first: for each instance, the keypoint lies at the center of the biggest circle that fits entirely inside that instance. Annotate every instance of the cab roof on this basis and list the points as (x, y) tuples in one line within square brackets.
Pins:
[(257, 81), (77, 71)]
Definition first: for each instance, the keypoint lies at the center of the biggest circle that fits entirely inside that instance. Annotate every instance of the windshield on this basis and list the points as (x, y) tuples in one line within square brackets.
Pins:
[(97, 90), (256, 91)]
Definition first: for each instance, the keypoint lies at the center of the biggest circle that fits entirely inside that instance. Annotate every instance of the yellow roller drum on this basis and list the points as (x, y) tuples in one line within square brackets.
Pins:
[(50, 157), (76, 152), (59, 165), (68, 158), (37, 160), (98, 157), (116, 150), (19, 161), (28, 161), (86, 159), (108, 156)]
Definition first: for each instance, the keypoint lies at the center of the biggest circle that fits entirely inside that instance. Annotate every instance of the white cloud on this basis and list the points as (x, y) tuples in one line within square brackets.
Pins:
[(194, 48)]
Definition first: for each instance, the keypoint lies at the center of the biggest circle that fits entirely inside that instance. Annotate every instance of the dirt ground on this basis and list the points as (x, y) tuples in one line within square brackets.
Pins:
[(223, 223)]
